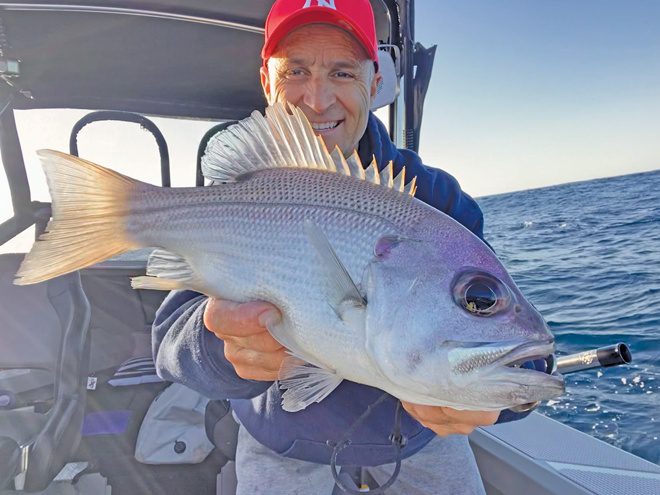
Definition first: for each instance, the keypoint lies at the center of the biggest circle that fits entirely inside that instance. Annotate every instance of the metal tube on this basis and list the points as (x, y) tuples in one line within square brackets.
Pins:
[(602, 357)]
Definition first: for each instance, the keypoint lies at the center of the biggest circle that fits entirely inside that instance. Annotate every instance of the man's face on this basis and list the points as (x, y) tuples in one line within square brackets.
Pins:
[(325, 72)]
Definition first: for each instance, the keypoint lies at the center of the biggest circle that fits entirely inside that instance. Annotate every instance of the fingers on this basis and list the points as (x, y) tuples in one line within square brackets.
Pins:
[(254, 365), (260, 342), (447, 421), (248, 345), (230, 318), (245, 325)]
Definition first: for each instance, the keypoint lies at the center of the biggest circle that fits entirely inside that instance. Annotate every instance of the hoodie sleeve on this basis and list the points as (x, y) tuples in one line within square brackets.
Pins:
[(186, 352)]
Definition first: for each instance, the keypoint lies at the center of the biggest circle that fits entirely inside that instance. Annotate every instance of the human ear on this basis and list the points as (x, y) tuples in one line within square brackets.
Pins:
[(265, 81), (375, 81)]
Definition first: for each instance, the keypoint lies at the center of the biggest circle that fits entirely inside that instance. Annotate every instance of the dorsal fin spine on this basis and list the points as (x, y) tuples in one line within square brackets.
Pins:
[(371, 172), (287, 139), (400, 180), (329, 159), (340, 161), (259, 125), (279, 134), (311, 140), (355, 166), (300, 130), (411, 187), (389, 175), (250, 145), (291, 136)]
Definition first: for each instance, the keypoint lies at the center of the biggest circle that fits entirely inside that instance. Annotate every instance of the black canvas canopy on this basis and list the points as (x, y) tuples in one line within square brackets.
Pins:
[(196, 58), (187, 59)]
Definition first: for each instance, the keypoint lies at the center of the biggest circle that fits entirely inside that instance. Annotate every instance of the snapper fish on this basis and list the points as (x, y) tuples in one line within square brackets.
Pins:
[(374, 285)]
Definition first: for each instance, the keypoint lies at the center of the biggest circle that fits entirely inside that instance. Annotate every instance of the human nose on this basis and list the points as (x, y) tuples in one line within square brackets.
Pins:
[(319, 95)]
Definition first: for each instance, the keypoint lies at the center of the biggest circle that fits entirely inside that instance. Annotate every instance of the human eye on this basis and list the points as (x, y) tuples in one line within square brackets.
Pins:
[(342, 74), (294, 73)]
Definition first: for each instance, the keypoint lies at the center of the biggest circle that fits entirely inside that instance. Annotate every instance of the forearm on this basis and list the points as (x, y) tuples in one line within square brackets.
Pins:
[(186, 352)]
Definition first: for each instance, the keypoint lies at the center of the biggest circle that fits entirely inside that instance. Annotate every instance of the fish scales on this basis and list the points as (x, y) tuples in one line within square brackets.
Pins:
[(374, 286), (293, 186), (240, 236)]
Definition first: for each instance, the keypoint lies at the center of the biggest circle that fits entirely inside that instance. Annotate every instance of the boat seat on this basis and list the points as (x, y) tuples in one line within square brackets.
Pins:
[(388, 66), (44, 329), (10, 453), (221, 428), (119, 335)]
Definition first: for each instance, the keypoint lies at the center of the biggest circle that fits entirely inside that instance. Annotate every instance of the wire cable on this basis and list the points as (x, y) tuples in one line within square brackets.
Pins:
[(398, 441)]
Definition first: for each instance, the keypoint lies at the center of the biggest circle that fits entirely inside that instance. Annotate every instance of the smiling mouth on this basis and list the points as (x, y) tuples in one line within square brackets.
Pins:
[(325, 126)]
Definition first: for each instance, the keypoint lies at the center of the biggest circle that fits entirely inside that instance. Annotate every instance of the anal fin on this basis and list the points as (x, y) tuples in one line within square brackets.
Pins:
[(165, 271), (155, 283)]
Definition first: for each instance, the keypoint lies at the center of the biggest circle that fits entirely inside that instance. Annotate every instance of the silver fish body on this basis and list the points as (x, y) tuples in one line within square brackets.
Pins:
[(374, 285), (247, 241)]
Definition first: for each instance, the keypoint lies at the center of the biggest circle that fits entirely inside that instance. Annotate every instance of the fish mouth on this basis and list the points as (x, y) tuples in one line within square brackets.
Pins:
[(496, 371), (528, 351), (508, 368), (503, 360)]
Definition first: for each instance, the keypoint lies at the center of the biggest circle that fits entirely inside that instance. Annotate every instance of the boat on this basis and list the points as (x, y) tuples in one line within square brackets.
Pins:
[(77, 384)]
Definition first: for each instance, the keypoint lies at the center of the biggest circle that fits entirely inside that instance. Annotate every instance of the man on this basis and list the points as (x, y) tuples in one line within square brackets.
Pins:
[(322, 57)]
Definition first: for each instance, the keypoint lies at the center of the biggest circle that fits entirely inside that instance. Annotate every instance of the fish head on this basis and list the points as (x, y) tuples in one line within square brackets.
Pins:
[(446, 324)]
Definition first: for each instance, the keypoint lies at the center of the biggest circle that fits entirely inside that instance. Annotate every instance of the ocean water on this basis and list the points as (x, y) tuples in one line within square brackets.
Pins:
[(587, 255)]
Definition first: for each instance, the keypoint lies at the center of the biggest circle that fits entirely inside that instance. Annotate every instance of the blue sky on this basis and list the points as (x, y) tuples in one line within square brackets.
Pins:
[(524, 94), (531, 93)]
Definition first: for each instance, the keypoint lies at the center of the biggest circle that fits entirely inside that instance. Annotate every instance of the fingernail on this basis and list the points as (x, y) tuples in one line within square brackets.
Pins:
[(269, 318)]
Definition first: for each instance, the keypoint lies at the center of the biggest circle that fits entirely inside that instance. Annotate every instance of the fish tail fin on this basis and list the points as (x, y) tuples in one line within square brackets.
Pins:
[(89, 206)]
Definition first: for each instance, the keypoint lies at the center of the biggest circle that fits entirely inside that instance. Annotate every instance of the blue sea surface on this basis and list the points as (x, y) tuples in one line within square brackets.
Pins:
[(587, 255)]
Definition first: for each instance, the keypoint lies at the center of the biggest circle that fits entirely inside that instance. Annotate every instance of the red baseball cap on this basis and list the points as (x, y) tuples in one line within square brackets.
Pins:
[(354, 16)]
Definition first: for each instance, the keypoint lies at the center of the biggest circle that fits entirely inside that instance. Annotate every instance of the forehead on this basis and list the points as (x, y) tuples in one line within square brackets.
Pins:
[(314, 40)]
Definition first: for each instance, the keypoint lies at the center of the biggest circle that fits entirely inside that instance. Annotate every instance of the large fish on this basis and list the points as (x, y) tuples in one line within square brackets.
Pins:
[(374, 285)]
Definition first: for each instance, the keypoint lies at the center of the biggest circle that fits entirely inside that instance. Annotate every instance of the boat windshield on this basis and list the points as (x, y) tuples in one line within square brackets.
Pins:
[(122, 146)]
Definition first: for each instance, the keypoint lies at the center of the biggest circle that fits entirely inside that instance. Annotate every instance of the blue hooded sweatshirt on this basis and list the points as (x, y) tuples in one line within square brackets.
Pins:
[(186, 352)]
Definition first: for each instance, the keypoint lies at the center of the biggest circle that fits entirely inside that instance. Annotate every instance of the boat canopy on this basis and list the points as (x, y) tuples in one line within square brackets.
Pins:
[(196, 59)]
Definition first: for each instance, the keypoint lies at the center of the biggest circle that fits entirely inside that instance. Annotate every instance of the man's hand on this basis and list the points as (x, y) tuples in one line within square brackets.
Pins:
[(447, 421), (249, 347)]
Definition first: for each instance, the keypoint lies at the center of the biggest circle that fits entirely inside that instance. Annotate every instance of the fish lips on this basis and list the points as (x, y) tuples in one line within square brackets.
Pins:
[(497, 364), (527, 385)]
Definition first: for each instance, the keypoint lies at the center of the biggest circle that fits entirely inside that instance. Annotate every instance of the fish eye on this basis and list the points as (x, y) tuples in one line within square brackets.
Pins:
[(480, 294), (479, 298)]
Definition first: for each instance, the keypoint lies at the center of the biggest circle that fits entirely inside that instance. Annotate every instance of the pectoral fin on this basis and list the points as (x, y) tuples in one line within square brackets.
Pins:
[(305, 383), (346, 293)]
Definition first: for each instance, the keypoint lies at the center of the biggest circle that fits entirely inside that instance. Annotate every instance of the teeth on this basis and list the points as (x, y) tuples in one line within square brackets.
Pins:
[(324, 125)]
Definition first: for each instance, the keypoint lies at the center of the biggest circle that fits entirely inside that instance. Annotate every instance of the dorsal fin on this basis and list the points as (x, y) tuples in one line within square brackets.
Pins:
[(284, 138), (371, 173), (400, 180), (340, 161)]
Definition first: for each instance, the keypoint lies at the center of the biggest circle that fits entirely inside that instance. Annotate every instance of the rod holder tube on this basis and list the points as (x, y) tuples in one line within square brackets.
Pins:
[(602, 357)]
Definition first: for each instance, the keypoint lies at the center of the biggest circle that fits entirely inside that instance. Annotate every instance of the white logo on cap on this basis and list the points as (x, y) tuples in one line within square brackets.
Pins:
[(321, 3)]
